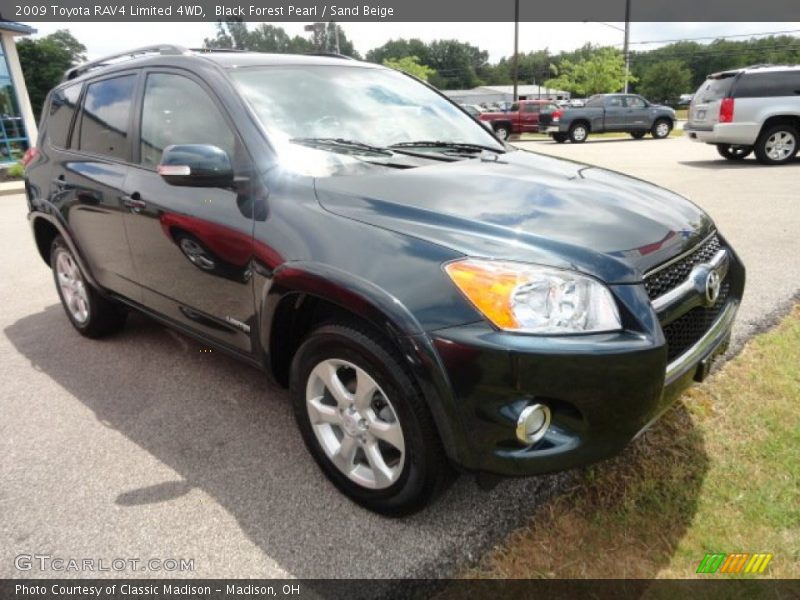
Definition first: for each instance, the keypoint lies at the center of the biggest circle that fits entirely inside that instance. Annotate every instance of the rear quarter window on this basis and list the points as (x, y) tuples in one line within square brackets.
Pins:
[(63, 104), (766, 85)]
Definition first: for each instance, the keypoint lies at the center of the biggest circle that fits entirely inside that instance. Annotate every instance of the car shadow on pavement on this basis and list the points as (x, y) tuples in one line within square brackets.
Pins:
[(226, 430), (731, 165)]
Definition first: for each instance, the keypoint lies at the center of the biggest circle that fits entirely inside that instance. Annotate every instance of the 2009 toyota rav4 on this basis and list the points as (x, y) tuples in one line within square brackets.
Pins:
[(434, 299)]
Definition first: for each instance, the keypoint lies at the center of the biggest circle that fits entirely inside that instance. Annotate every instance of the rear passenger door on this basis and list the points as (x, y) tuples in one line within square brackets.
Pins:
[(192, 246), (88, 175), (529, 117), (614, 113)]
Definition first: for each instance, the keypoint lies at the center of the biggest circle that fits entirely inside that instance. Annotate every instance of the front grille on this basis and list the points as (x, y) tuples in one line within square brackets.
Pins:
[(663, 280), (685, 331)]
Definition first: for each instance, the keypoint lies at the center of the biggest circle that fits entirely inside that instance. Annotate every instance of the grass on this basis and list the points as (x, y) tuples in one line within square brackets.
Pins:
[(719, 473)]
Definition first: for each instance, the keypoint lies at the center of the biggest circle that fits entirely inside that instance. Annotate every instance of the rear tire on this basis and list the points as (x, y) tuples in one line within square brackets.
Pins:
[(503, 132), (777, 145), (559, 138), (637, 135), (379, 446), (734, 151), (90, 313), (661, 129), (578, 133)]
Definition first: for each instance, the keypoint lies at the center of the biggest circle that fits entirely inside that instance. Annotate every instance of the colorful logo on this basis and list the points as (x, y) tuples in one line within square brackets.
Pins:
[(734, 563)]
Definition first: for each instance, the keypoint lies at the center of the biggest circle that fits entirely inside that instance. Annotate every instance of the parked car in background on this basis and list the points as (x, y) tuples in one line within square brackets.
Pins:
[(525, 116), (613, 112), (473, 109), (577, 102), (685, 100), (435, 301), (754, 109)]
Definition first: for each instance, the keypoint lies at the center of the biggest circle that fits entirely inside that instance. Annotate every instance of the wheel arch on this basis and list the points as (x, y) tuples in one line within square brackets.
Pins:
[(780, 119), (45, 230), (303, 296)]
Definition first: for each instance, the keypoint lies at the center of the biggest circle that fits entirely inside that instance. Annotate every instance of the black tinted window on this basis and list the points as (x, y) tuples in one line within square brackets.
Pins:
[(176, 110), (63, 104), (714, 89), (104, 123), (763, 85)]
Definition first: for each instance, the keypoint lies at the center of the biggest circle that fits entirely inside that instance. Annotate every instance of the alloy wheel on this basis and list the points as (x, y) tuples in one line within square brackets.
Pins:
[(355, 423), (780, 145), (72, 286)]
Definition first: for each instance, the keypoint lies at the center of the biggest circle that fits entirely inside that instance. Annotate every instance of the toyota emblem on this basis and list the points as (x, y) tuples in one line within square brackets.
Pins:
[(713, 283)]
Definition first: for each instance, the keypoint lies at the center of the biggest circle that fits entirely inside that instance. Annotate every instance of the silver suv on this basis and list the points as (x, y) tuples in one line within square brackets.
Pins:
[(754, 109)]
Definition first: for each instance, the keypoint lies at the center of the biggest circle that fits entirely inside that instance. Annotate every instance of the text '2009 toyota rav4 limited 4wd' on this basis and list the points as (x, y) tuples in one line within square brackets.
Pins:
[(435, 300)]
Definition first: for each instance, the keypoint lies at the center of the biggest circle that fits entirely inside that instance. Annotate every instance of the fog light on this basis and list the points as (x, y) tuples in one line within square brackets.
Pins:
[(532, 423)]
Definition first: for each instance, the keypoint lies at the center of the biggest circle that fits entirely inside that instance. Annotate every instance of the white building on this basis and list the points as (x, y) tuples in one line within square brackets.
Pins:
[(505, 93), (17, 121)]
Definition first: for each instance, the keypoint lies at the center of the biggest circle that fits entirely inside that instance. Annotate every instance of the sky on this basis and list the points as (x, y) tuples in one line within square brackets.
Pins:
[(497, 38)]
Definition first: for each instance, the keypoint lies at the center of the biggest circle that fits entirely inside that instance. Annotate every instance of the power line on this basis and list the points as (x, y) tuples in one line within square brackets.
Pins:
[(716, 37)]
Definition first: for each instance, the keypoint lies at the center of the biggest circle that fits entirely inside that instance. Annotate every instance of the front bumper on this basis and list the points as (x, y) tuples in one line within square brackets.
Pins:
[(602, 389)]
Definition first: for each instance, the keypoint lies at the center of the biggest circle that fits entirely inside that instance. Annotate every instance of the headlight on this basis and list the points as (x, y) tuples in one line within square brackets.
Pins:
[(534, 299)]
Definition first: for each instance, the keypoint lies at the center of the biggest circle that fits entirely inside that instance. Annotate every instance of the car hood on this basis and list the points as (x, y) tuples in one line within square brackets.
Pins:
[(526, 207)]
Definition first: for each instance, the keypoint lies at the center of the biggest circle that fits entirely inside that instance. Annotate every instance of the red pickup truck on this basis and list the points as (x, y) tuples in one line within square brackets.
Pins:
[(525, 116)]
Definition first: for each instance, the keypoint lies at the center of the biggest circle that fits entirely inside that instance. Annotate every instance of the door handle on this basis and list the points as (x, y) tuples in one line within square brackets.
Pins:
[(134, 202), (61, 184)]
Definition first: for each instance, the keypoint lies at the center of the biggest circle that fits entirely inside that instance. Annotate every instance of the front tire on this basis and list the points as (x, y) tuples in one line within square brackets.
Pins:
[(777, 145), (90, 313), (578, 133), (365, 422), (661, 129), (734, 151)]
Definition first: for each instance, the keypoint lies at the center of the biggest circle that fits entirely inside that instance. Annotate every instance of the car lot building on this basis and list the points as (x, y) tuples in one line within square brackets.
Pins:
[(17, 121), (505, 93)]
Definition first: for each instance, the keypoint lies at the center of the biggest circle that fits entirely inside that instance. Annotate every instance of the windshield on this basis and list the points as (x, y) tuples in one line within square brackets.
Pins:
[(378, 107)]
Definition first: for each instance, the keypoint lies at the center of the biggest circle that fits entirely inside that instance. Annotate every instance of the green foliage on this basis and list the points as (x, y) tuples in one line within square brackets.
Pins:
[(602, 72), (269, 38), (665, 81), (15, 171), (410, 65), (44, 61)]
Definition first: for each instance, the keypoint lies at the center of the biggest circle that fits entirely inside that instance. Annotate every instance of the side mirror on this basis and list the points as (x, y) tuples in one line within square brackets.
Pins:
[(196, 165)]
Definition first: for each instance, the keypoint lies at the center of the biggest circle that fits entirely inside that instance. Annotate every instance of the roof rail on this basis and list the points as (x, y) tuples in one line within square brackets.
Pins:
[(330, 55), (207, 50), (78, 70)]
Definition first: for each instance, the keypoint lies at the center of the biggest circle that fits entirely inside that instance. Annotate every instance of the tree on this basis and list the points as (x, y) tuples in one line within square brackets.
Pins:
[(44, 61), (666, 81), (600, 73), (410, 65), (237, 35)]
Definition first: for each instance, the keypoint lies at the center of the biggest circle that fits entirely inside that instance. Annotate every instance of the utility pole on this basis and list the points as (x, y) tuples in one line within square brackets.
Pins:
[(626, 49), (516, 47), (336, 36)]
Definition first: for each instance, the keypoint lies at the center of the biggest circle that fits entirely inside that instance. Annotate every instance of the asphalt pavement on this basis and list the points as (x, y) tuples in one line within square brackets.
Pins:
[(142, 446)]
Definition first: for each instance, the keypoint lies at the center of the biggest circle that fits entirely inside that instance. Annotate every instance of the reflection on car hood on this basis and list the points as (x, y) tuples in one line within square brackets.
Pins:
[(526, 207)]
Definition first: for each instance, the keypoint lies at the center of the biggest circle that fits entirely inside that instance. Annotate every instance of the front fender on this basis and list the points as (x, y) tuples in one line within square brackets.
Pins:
[(389, 316)]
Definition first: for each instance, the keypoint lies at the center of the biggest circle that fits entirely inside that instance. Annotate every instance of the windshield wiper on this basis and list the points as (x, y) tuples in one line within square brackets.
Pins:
[(322, 142), (460, 146)]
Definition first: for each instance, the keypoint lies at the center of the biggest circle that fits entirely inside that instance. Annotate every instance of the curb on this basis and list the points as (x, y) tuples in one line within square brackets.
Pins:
[(8, 188)]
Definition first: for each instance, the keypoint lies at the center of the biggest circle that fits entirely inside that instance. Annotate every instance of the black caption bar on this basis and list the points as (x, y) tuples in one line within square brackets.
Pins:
[(400, 10), (412, 589)]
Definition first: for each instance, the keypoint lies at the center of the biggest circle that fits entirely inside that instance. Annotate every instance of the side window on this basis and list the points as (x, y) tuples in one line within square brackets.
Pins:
[(176, 110), (104, 120), (634, 102), (614, 101), (63, 104), (765, 85), (530, 108)]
